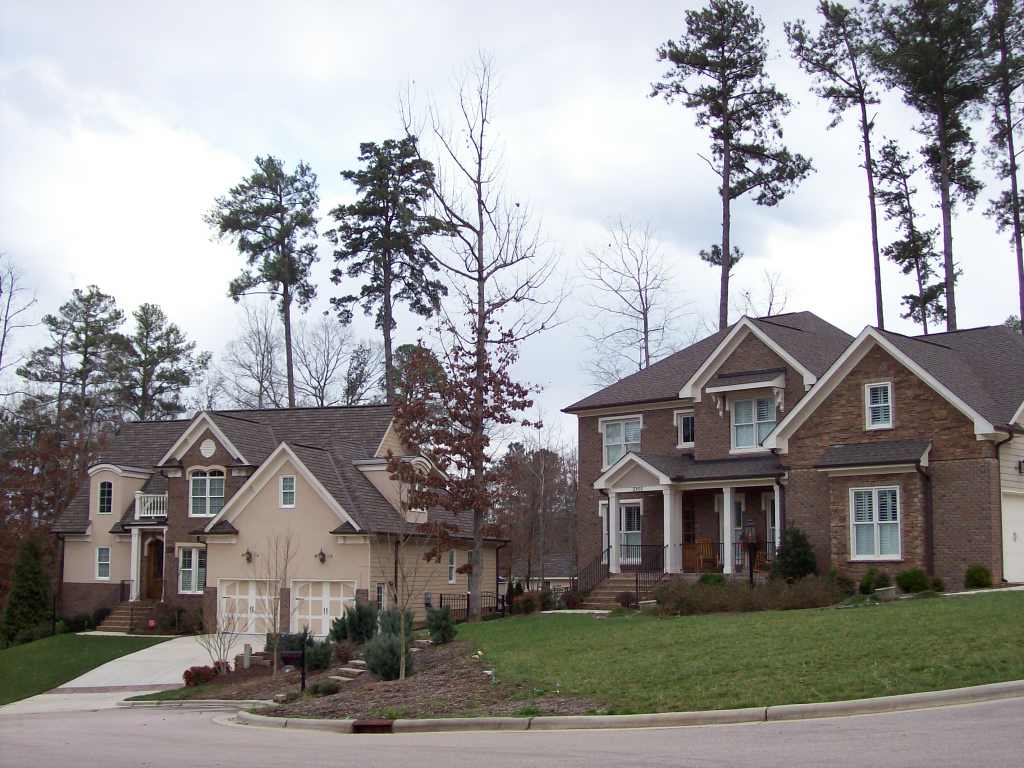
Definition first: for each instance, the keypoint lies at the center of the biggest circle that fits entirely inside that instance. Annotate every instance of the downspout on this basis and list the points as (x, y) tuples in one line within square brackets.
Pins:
[(929, 520)]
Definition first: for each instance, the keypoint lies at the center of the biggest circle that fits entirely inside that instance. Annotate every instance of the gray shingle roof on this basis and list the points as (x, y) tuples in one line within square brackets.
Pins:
[(745, 377), (683, 467), (811, 340), (556, 565), (876, 452), (141, 443)]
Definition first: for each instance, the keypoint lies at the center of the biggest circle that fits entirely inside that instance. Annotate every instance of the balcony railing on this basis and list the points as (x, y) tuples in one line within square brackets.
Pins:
[(149, 505)]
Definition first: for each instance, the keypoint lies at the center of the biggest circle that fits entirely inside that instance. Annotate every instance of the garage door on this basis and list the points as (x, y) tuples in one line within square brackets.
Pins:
[(247, 603), (1013, 537), (315, 604)]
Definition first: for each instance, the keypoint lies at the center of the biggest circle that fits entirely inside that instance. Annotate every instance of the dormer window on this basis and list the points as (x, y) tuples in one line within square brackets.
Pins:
[(620, 437), (752, 420), (106, 505), (878, 405), (206, 492)]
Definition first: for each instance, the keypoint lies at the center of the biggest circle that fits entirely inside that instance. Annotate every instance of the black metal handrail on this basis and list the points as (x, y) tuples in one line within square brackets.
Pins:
[(650, 569), (592, 574)]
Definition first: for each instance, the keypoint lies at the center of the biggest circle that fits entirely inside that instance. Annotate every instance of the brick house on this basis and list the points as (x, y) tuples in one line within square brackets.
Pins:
[(889, 451), (186, 514)]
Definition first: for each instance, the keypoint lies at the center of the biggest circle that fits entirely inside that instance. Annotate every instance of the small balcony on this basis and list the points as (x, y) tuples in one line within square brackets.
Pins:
[(150, 505)]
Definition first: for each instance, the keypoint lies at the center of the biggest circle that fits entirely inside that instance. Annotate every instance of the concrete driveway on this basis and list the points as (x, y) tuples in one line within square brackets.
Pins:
[(156, 668)]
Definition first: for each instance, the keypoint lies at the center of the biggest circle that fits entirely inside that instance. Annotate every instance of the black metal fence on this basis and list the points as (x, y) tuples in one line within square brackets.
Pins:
[(590, 575), (491, 603)]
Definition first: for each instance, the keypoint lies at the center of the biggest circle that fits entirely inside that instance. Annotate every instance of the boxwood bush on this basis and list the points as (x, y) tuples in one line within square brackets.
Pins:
[(977, 577), (912, 580)]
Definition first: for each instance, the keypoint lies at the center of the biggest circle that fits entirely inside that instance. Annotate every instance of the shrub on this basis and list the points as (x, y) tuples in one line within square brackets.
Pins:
[(843, 583), (571, 600), (319, 655), (441, 625), (383, 656), (292, 641), (882, 580), (547, 600), (99, 615), (28, 602), (198, 675), (626, 599), (867, 582), (912, 580), (358, 624), (389, 623), (324, 687), (528, 602), (190, 622), (344, 651), (78, 623), (795, 557), (712, 579), (29, 634), (977, 577), (515, 590), (938, 585), (681, 598)]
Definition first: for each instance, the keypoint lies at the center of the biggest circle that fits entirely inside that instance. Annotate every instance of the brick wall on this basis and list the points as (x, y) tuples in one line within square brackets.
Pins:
[(77, 598)]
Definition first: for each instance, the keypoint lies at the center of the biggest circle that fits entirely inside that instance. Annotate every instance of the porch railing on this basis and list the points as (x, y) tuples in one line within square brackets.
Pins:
[(641, 557), (650, 569), (592, 574), (708, 556), (150, 505)]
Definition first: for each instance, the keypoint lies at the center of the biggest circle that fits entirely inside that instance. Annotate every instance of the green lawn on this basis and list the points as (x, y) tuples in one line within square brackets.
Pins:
[(32, 668), (638, 663)]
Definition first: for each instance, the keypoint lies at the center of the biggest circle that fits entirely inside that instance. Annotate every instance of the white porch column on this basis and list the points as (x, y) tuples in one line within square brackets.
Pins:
[(672, 531), (133, 593), (776, 522), (727, 544), (614, 535)]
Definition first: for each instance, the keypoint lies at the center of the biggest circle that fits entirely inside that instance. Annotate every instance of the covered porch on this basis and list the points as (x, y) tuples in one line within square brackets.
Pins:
[(673, 522)]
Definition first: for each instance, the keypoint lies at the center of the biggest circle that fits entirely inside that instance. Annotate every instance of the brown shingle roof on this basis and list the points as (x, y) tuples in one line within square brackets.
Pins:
[(811, 340), (874, 453), (683, 467)]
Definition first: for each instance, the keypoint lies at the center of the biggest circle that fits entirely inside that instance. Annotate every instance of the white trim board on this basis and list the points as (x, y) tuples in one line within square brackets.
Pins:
[(194, 432), (630, 460), (868, 339)]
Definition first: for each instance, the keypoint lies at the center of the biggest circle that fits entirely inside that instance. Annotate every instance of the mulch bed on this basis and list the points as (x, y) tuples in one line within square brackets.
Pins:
[(448, 683)]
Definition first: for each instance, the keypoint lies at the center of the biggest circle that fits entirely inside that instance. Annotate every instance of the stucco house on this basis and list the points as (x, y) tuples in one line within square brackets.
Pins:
[(889, 451), (192, 513)]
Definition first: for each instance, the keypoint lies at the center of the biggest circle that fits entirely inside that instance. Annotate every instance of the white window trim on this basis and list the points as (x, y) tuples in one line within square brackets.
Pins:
[(602, 422), (677, 417), (99, 498), (637, 501), (280, 491), (757, 447), (876, 558), (602, 513), (188, 478), (452, 567), (194, 569), (381, 593), (867, 406), (110, 558)]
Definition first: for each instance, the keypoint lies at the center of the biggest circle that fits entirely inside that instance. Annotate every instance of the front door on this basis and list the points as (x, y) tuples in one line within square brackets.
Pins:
[(154, 576), (630, 532)]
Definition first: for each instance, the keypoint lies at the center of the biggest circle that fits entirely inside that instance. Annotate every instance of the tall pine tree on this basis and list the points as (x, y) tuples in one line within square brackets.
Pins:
[(380, 237), (271, 218), (934, 51), (717, 69)]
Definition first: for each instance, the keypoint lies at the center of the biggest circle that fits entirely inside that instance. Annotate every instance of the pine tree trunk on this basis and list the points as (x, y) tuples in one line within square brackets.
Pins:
[(947, 226), (1007, 107), (286, 315), (387, 312), (869, 169), (723, 298)]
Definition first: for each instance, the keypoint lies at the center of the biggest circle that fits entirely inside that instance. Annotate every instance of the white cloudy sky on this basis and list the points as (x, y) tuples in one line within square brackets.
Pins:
[(120, 122)]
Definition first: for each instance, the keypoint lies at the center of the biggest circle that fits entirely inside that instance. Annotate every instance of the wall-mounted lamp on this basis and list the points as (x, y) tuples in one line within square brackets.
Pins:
[(247, 555), (321, 556)]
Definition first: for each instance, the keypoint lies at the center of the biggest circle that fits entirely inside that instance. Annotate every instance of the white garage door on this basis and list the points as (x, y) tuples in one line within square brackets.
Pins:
[(1013, 537), (315, 604), (247, 604)]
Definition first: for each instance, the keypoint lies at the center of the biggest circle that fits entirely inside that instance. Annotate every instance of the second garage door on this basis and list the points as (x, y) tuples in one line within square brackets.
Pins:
[(315, 604), (247, 604)]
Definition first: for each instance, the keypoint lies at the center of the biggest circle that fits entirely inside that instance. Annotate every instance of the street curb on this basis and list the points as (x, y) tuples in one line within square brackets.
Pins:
[(209, 704), (783, 712)]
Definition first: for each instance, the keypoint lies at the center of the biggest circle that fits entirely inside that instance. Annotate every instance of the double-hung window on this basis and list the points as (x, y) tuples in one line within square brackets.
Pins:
[(451, 566), (206, 492), (103, 563), (106, 497), (620, 437), (192, 571), (878, 405), (288, 491), (685, 425), (875, 523), (752, 420)]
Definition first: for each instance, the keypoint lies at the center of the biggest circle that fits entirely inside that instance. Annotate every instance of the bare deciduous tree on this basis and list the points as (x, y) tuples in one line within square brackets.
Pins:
[(636, 313), (15, 304), (253, 367), (322, 350), (219, 643), (271, 566), (770, 299)]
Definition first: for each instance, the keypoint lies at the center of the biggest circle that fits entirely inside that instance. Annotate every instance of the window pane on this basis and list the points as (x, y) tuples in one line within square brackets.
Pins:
[(288, 484), (888, 538), (880, 395), (198, 505), (199, 484), (106, 497), (763, 428), (632, 430), (613, 432), (201, 573), (863, 507), (743, 412), (216, 504), (613, 453), (887, 506), (765, 410), (186, 581), (216, 486), (186, 559), (687, 424), (864, 539), (744, 436)]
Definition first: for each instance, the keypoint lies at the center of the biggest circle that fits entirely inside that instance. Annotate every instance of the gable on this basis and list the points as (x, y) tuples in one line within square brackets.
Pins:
[(631, 472), (198, 431)]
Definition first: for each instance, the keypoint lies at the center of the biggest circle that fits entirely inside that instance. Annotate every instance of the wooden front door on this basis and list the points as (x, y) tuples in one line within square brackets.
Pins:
[(154, 573)]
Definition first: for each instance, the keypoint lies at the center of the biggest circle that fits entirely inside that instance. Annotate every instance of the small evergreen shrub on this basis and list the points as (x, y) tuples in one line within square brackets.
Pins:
[(843, 583), (711, 579), (528, 602), (28, 602), (441, 625), (383, 655), (867, 582), (626, 599), (99, 615), (912, 580), (977, 577), (78, 623), (515, 590), (938, 585), (30, 634), (571, 600), (389, 623), (319, 655), (358, 624), (795, 557), (324, 687), (194, 676), (882, 580)]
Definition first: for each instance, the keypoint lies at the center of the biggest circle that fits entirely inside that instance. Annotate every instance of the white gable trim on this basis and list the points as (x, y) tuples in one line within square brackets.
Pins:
[(281, 455), (628, 461), (137, 473), (728, 345), (195, 430), (852, 355), (1018, 417)]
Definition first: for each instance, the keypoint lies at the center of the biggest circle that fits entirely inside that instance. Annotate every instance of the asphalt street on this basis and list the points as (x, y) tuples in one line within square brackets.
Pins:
[(987, 734)]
